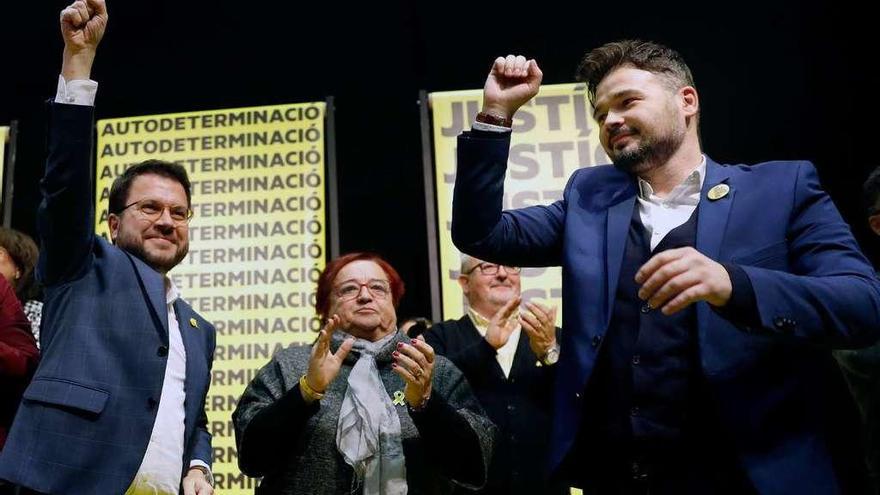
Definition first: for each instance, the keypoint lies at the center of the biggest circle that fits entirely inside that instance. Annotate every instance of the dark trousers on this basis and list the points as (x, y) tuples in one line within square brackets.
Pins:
[(7, 489), (633, 468)]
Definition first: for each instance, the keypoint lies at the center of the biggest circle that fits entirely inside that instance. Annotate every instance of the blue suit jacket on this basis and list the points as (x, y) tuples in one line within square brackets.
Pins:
[(85, 420), (814, 291)]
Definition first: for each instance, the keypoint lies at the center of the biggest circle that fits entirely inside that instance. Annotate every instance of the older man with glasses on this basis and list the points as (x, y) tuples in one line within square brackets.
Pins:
[(510, 374)]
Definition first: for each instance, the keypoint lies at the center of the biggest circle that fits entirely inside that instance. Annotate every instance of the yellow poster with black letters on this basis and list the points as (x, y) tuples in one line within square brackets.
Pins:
[(553, 135), (257, 238), (4, 135)]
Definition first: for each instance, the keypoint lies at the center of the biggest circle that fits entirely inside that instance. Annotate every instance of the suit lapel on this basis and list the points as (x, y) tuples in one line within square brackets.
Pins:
[(619, 218), (524, 358), (473, 337), (153, 287), (191, 335), (712, 221)]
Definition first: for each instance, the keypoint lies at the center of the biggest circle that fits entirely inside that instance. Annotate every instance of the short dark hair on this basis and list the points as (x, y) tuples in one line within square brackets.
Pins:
[(644, 55), (24, 253), (325, 280), (122, 184), (871, 191)]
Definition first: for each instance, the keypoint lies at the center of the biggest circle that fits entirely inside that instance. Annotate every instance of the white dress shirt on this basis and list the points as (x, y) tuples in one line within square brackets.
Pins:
[(161, 468), (661, 215), (505, 353)]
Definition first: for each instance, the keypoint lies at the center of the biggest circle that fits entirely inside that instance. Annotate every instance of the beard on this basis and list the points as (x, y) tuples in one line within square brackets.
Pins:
[(651, 150), (648, 153), (162, 262)]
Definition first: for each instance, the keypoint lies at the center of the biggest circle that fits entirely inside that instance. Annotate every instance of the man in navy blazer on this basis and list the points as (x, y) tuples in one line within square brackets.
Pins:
[(508, 357), (701, 300), (117, 403)]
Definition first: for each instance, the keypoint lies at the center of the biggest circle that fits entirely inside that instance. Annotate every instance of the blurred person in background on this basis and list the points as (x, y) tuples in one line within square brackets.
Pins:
[(18, 258)]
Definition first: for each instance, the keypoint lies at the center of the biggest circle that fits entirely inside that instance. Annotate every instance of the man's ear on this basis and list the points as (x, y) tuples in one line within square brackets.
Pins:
[(113, 223), (874, 222), (463, 282), (690, 101)]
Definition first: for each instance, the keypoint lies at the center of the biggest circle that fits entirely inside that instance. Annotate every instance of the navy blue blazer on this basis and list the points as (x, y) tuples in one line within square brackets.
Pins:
[(518, 404), (814, 291), (86, 418)]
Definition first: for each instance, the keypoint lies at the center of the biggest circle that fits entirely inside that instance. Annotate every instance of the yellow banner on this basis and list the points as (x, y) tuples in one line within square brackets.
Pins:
[(257, 239), (553, 135), (4, 135)]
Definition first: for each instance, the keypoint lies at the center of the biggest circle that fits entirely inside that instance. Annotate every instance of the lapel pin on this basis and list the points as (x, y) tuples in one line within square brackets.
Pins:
[(718, 192), (398, 398), (193, 323)]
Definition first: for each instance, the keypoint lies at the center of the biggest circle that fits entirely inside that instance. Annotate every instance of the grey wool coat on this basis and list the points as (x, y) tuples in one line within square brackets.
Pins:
[(292, 444)]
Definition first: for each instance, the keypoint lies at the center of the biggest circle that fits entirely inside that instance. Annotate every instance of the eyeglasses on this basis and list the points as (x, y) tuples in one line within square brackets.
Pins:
[(491, 269), (380, 289), (153, 210)]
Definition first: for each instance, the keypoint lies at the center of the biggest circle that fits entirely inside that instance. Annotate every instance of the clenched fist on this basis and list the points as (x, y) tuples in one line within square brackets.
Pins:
[(512, 82), (82, 26)]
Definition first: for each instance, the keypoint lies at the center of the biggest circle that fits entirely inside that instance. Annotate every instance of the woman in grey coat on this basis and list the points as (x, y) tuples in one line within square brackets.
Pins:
[(364, 410)]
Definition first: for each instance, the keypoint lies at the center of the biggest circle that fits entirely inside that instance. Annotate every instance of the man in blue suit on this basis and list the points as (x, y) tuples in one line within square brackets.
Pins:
[(117, 404), (862, 367), (701, 300)]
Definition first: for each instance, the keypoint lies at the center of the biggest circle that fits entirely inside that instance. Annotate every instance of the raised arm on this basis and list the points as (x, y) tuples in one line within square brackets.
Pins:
[(66, 215), (525, 237)]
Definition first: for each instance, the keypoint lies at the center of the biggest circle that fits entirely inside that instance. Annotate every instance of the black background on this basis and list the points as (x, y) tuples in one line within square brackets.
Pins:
[(777, 80)]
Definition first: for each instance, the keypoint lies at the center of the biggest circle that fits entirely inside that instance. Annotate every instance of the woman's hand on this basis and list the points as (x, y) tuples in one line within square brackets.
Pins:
[(323, 364), (414, 362)]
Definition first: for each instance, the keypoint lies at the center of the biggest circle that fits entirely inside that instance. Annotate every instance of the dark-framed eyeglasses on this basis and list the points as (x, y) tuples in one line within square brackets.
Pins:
[(491, 269), (152, 210), (380, 289)]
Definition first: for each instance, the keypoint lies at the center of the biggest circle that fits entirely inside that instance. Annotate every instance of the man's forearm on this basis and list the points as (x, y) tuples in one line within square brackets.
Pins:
[(77, 65)]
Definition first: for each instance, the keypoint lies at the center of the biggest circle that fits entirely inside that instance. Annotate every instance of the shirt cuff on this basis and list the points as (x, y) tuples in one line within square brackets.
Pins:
[(482, 126), (77, 92), (203, 464)]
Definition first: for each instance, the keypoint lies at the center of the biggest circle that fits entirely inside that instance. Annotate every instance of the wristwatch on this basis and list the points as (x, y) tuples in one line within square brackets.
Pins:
[(209, 476), (551, 356), (492, 119)]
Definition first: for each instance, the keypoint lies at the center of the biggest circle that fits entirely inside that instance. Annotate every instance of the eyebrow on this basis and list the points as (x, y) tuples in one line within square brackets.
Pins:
[(368, 281), (616, 96), (159, 201)]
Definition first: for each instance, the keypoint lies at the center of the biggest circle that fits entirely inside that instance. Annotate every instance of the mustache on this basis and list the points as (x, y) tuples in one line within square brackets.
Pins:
[(622, 130), (170, 239)]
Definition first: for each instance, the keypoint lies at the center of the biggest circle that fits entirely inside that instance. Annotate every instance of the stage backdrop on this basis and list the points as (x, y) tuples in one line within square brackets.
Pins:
[(4, 135), (553, 135), (257, 239)]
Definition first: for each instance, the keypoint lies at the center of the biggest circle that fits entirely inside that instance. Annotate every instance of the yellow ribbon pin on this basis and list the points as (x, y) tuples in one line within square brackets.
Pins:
[(398, 398), (193, 323)]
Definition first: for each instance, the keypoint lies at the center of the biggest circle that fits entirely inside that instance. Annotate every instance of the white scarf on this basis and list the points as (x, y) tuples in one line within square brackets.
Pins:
[(368, 431)]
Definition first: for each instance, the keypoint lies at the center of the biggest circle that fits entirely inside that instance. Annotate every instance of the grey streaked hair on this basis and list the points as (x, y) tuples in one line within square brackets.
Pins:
[(466, 260)]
